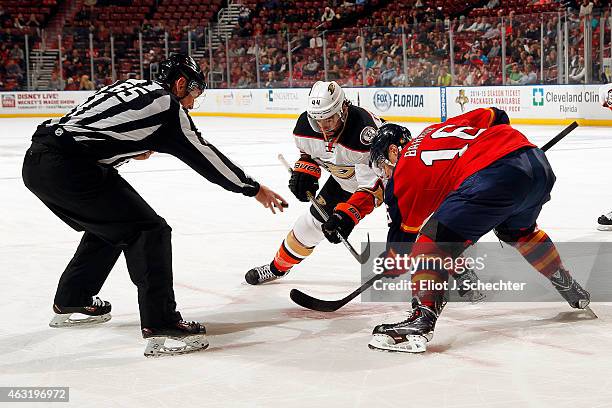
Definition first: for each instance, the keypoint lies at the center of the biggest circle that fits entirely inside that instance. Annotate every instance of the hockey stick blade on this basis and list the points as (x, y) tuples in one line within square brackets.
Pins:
[(321, 305)]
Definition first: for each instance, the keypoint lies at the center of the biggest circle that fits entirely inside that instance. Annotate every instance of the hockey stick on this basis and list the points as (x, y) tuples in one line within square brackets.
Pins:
[(560, 136), (361, 258), (321, 305)]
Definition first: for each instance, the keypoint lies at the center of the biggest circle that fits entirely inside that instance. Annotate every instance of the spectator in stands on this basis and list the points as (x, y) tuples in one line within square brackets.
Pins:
[(56, 84), (463, 25), (312, 68), (4, 53), (586, 8), (102, 76), (265, 65), (530, 75), (481, 56), (33, 22), (270, 81), (86, 84), (316, 41), (71, 85), (159, 28), (495, 50), (493, 32), (475, 25), (13, 70), (146, 27), (440, 51), (243, 15), (19, 22), (492, 4), (577, 73), (516, 76), (370, 77), (17, 53), (328, 15), (280, 65), (444, 78), (388, 73)]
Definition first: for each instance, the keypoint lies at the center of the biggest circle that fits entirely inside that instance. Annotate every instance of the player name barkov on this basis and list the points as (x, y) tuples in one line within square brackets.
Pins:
[(501, 285)]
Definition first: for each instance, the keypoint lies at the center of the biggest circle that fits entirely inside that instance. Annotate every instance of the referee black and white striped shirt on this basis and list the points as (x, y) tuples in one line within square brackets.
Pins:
[(131, 117)]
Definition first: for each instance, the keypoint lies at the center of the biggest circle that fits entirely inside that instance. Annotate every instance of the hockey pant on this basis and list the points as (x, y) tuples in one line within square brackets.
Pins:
[(96, 199)]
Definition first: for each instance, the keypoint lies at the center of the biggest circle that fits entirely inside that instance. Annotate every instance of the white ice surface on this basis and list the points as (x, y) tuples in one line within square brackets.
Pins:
[(265, 350)]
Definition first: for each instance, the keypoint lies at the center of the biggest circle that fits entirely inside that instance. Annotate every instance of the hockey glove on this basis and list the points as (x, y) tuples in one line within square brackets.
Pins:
[(342, 221), (304, 178)]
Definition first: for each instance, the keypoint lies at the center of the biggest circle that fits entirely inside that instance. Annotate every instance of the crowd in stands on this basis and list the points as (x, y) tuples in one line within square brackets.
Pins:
[(14, 27), (296, 42)]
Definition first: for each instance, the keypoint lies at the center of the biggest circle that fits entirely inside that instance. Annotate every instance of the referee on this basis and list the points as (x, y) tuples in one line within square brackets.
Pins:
[(70, 167)]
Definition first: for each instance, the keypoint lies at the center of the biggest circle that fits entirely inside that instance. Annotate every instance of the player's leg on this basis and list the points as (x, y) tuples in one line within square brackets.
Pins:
[(300, 242), (520, 231), (428, 280), (481, 202)]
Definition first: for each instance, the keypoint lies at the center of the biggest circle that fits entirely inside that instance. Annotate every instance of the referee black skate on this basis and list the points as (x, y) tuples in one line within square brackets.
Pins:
[(70, 167)]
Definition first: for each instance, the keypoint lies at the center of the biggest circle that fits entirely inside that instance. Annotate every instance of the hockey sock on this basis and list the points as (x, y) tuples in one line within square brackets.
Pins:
[(539, 250), (290, 253), (429, 273)]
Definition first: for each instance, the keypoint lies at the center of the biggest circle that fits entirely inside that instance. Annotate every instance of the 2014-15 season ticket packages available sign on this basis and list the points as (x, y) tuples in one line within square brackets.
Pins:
[(503, 274)]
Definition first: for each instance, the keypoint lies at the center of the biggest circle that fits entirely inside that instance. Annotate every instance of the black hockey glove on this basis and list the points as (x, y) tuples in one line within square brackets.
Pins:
[(342, 221), (304, 178)]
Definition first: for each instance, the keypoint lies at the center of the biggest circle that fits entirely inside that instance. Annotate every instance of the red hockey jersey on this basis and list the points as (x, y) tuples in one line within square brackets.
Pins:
[(438, 160)]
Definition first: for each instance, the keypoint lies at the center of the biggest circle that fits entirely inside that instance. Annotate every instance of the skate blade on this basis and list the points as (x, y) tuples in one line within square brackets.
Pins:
[(64, 320), (156, 346), (413, 344), (604, 227), (590, 312), (475, 297)]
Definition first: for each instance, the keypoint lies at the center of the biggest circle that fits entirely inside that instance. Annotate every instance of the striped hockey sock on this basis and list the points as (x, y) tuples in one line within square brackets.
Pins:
[(539, 250), (429, 273), (290, 253)]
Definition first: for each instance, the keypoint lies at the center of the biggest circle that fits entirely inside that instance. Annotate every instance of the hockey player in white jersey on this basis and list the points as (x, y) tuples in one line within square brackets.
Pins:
[(334, 135)]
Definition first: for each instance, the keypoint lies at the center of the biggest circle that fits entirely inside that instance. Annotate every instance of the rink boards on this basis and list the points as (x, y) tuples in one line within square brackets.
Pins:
[(537, 104)]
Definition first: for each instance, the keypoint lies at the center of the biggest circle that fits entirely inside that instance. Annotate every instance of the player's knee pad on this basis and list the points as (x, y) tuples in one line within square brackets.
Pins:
[(446, 239), (509, 236), (307, 230)]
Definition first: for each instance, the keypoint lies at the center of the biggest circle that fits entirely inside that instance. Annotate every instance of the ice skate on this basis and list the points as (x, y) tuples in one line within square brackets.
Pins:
[(605, 222), (572, 292), (262, 274), (410, 335), (192, 334), (473, 295), (96, 313)]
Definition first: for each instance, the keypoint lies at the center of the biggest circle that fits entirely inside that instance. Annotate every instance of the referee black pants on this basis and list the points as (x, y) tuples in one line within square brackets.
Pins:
[(96, 199)]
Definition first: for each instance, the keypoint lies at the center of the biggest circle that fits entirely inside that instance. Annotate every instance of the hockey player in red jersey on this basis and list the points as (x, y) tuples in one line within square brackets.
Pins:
[(452, 184)]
